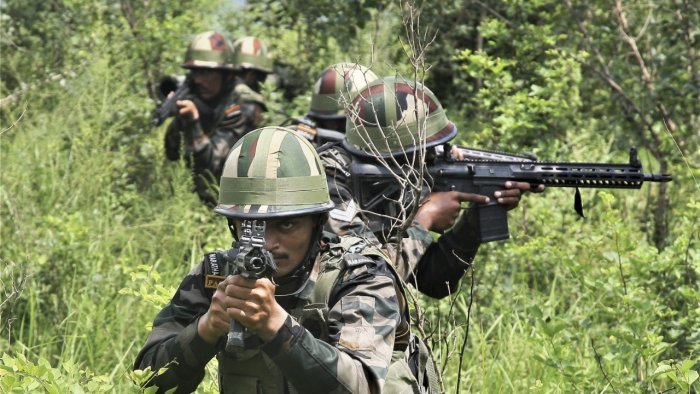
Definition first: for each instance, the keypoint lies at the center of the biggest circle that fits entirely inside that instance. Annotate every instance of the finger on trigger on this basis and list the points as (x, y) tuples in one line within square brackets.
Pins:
[(472, 197)]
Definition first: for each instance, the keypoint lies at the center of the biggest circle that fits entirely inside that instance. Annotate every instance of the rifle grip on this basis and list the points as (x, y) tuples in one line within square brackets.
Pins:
[(493, 222), (236, 337)]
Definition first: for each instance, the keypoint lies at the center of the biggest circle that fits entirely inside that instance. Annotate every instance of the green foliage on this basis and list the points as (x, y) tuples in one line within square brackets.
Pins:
[(98, 229), (550, 314), (508, 111), (87, 198), (681, 373), (305, 37), (17, 375)]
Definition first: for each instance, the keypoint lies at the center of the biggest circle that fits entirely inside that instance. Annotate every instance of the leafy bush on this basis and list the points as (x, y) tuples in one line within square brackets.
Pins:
[(98, 228)]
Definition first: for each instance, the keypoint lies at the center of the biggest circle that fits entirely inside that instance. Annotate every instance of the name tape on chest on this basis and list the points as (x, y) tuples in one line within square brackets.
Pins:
[(212, 281)]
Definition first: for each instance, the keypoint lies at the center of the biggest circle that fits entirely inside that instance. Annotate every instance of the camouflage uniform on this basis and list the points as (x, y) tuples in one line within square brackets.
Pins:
[(435, 267), (223, 119), (344, 347), (252, 64)]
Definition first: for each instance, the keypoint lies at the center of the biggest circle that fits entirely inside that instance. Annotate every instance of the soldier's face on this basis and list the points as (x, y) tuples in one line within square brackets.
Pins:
[(207, 82), (331, 124), (288, 240)]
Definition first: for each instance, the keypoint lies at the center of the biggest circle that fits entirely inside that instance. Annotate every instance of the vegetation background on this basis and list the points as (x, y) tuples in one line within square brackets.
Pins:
[(98, 228)]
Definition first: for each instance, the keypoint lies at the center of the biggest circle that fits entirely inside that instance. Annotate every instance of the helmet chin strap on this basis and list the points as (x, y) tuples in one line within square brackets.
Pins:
[(232, 228)]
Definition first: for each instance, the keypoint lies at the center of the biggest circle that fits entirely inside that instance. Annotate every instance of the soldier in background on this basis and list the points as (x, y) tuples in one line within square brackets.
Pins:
[(332, 92), (384, 124), (212, 118), (252, 64), (327, 320)]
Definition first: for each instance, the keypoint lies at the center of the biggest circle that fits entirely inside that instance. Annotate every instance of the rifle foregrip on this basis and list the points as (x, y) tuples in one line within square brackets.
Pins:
[(493, 222)]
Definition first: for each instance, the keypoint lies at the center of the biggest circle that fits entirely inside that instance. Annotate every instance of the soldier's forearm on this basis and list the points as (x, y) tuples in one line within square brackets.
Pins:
[(312, 365), (183, 355), (463, 237), (442, 266)]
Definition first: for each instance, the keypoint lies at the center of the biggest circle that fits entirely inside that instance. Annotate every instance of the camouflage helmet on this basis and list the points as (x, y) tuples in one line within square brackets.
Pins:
[(251, 53), (208, 50), (387, 116), (335, 87), (272, 172)]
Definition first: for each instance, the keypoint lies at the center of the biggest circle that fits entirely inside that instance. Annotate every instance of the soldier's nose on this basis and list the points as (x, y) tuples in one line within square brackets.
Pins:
[(271, 242)]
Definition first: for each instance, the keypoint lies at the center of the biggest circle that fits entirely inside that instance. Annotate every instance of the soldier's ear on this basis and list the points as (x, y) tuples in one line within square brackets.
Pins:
[(322, 219)]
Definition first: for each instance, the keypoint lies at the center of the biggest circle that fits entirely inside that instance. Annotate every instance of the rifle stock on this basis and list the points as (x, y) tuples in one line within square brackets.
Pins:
[(376, 184)]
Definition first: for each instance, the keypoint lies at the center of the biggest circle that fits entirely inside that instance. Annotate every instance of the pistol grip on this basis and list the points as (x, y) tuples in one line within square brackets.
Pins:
[(236, 337)]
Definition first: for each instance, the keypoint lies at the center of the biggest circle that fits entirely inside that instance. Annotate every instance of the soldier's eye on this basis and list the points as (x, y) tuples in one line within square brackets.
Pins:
[(287, 225)]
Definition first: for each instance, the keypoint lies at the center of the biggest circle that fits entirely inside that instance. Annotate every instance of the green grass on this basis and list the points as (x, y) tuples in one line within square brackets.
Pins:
[(98, 229)]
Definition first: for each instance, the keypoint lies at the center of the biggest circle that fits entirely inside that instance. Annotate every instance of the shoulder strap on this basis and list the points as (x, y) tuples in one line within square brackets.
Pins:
[(330, 268), (333, 263), (328, 145)]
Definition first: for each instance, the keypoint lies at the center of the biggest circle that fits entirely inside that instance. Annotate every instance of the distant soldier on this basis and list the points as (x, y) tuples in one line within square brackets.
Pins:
[(211, 119), (324, 323), (332, 92), (388, 115), (252, 64)]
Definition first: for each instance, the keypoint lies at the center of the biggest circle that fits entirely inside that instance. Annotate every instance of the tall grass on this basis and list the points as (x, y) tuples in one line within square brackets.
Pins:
[(88, 201), (98, 229), (569, 305)]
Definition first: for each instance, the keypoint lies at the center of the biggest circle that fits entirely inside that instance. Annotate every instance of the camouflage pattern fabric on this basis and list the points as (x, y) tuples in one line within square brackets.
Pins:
[(395, 116), (273, 171), (251, 53), (209, 50), (353, 359), (224, 122), (433, 267), (335, 88)]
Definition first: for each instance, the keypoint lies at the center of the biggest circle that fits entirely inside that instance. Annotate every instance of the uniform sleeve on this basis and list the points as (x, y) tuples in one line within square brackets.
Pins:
[(252, 105), (440, 268), (211, 154), (174, 342), (361, 324)]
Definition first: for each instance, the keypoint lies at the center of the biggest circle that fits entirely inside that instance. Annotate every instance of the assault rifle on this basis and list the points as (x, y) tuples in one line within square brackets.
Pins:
[(171, 83), (251, 262), (376, 185)]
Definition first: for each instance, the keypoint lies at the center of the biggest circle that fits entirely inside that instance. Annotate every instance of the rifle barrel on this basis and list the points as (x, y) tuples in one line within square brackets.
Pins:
[(552, 174)]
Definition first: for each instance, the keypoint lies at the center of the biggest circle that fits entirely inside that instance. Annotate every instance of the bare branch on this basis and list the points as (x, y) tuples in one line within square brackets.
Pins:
[(26, 88), (26, 104)]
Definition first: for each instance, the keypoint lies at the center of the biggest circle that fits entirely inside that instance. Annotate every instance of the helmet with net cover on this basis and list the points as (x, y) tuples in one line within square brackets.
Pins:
[(335, 87), (273, 172), (209, 50), (394, 116), (251, 53)]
